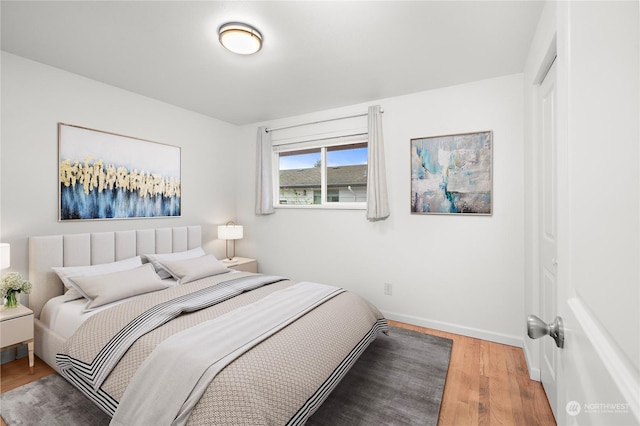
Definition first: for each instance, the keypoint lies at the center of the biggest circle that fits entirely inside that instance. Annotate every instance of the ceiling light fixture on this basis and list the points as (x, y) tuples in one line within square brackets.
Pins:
[(240, 38)]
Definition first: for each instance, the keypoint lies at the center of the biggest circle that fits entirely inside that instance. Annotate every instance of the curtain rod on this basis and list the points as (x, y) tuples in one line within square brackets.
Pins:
[(318, 122)]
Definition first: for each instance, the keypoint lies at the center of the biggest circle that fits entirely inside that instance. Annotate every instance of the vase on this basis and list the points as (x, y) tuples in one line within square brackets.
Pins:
[(12, 299)]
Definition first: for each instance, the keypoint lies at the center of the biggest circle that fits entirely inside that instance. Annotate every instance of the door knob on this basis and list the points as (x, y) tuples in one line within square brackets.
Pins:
[(537, 328)]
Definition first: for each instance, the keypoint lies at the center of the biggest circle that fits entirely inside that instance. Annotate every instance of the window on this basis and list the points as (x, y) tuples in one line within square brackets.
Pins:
[(333, 174)]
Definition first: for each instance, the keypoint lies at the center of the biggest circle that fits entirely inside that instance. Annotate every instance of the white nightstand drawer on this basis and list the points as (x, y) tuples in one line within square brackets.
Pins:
[(246, 267), (16, 330), (244, 264)]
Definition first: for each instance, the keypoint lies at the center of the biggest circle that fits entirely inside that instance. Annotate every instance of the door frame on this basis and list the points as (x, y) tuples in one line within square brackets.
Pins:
[(541, 56), (548, 268)]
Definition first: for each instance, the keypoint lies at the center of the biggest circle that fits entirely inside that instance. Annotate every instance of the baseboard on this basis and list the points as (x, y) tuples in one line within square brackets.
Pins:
[(456, 329), (534, 372)]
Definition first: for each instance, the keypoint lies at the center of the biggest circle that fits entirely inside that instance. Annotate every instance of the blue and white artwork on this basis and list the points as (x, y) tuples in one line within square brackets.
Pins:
[(107, 176), (452, 174)]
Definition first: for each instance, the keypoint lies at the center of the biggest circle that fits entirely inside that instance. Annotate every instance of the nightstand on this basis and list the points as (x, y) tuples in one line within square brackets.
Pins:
[(242, 264), (16, 328)]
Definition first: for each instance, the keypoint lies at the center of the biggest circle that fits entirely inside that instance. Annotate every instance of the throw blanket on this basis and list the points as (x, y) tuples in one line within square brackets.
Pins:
[(203, 351), (279, 380)]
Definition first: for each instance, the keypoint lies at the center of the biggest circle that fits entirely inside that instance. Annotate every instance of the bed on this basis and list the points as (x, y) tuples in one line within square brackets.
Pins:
[(199, 344)]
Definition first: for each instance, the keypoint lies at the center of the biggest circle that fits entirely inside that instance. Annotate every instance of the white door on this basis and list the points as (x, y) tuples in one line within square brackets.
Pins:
[(594, 232), (548, 229)]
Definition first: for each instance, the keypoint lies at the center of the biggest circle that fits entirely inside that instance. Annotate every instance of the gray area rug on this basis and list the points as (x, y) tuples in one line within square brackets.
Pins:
[(50, 401), (398, 380)]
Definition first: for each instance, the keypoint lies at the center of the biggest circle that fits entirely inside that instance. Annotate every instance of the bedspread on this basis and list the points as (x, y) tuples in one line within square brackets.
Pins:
[(281, 380)]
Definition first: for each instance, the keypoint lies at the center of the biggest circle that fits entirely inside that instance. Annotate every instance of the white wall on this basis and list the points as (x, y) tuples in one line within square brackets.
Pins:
[(36, 97), (462, 274), (458, 273)]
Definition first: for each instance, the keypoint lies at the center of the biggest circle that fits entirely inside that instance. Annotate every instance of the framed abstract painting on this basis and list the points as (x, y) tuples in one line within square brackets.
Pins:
[(103, 175), (452, 174)]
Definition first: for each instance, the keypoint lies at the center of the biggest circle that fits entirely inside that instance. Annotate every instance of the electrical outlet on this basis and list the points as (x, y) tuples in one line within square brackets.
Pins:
[(388, 289)]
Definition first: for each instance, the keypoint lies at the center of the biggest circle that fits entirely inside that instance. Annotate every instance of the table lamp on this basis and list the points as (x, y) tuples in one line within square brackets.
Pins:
[(232, 232)]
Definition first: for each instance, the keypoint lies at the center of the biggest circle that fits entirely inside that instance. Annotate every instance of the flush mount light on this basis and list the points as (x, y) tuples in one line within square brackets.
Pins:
[(240, 38)]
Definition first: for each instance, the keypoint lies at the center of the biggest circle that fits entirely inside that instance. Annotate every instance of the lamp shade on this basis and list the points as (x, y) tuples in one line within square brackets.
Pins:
[(230, 232), (5, 255)]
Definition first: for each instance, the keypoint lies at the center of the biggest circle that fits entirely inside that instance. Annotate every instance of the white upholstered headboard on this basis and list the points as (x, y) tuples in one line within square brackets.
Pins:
[(96, 248)]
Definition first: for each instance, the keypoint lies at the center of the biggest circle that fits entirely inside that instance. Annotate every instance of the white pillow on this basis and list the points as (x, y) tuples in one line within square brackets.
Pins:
[(107, 288), (67, 272), (155, 259), (188, 270)]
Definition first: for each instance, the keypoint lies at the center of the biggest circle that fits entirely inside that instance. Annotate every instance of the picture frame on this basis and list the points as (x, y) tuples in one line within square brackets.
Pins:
[(103, 175), (452, 174)]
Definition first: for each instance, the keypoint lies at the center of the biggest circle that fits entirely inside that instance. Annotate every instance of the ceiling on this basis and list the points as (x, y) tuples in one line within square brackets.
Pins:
[(316, 55)]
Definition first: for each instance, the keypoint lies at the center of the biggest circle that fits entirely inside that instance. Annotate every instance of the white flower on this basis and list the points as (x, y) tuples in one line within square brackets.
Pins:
[(13, 281)]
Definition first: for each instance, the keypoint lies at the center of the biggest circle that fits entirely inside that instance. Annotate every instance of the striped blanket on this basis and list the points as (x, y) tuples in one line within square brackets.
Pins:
[(280, 380)]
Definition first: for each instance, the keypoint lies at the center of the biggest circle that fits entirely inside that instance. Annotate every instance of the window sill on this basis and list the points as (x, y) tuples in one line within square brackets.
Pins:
[(330, 206)]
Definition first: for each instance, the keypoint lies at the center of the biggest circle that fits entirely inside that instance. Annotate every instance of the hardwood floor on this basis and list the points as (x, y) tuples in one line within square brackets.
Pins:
[(487, 384)]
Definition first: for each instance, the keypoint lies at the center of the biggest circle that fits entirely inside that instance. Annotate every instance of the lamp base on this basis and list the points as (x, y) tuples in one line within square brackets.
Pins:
[(233, 260)]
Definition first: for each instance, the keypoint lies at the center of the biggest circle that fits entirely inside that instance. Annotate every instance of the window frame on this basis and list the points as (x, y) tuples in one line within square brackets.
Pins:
[(322, 145)]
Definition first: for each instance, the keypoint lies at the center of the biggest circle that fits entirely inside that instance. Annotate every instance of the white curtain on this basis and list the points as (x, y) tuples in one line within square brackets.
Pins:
[(264, 178), (377, 200)]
